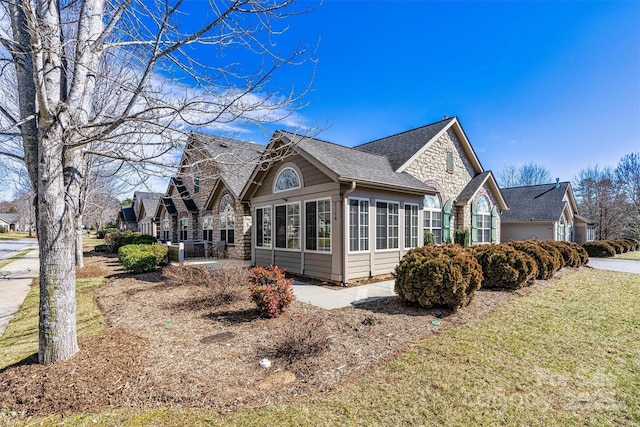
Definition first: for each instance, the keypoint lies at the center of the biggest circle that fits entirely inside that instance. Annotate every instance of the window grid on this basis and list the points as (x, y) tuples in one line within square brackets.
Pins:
[(387, 225), (410, 226), (358, 225)]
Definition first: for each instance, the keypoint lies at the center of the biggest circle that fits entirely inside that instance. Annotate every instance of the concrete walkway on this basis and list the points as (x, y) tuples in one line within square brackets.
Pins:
[(614, 264), (15, 281), (341, 297)]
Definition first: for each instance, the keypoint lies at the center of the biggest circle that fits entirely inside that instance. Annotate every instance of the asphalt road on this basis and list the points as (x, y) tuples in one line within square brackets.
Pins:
[(622, 265), (11, 247)]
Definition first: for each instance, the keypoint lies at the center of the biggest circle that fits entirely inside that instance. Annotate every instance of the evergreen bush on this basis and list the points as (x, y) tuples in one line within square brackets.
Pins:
[(429, 238), (558, 260), (504, 267), (544, 260), (570, 256), (141, 258), (446, 276), (461, 236), (599, 249)]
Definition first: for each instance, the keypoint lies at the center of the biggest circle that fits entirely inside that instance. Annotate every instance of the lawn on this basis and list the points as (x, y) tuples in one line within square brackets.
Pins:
[(566, 355), (14, 235), (635, 256)]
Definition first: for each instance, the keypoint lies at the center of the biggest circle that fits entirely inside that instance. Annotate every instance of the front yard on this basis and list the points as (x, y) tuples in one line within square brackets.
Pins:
[(562, 352)]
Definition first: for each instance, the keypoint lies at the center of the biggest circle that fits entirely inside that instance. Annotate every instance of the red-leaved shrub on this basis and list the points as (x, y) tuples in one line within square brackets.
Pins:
[(270, 290)]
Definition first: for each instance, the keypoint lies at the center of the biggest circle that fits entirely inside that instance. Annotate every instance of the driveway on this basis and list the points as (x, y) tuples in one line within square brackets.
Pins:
[(15, 281), (11, 247), (622, 265)]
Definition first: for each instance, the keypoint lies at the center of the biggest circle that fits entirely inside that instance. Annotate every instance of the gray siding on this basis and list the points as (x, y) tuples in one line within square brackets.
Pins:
[(359, 265), (287, 260), (317, 265), (310, 175), (263, 257), (524, 231), (385, 262)]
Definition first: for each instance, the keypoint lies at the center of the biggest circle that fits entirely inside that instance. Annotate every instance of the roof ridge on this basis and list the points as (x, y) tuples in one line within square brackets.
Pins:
[(406, 131), (536, 185)]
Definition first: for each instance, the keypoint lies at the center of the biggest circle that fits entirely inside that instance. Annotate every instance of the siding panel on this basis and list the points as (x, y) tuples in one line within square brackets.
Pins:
[(288, 260), (263, 257)]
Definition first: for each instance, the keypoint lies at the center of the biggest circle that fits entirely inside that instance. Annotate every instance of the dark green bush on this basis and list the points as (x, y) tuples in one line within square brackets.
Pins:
[(102, 248), (599, 249), (635, 244), (446, 276), (626, 245), (429, 238), (141, 258), (582, 253), (558, 260), (461, 237), (545, 262), (3, 230), (570, 256), (617, 246), (138, 239), (504, 267)]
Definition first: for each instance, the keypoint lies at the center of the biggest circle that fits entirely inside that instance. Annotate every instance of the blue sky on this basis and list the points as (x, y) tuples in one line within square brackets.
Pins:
[(555, 83)]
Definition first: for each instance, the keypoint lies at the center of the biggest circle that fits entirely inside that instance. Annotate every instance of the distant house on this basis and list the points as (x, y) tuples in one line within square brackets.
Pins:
[(127, 219), (545, 212), (10, 221), (340, 213), (144, 207)]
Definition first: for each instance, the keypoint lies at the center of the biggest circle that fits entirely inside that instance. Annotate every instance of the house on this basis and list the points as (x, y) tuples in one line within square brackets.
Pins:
[(337, 213), (144, 207), (127, 219), (202, 201), (545, 212), (10, 222)]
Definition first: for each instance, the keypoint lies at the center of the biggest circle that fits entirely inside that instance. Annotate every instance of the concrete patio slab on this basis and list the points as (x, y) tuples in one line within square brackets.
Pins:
[(341, 297)]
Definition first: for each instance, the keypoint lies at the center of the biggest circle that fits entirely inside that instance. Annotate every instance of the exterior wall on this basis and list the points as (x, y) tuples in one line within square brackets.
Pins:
[(525, 231), (241, 248), (310, 175)]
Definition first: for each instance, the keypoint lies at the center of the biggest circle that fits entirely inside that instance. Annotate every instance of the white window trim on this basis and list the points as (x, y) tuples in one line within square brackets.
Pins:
[(304, 221), (282, 168), (348, 239), (271, 246), (375, 226), (482, 214), (274, 232), (417, 206)]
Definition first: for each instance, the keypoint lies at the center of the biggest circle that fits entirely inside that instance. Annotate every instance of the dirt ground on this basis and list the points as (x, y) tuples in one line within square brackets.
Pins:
[(173, 345)]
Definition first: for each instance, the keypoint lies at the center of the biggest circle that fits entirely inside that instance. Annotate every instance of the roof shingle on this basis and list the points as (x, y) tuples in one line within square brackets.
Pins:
[(534, 202)]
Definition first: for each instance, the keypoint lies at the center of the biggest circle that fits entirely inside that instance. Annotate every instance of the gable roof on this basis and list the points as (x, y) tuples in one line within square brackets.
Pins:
[(234, 159), (10, 218), (149, 205), (127, 214), (402, 148), (344, 164), (478, 182), (543, 202)]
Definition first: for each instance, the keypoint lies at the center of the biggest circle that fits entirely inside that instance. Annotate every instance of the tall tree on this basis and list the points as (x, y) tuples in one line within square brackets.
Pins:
[(627, 179), (513, 175), (95, 77)]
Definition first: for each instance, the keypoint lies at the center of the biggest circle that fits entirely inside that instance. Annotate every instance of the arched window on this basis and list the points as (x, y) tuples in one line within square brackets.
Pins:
[(287, 179), (483, 223), (433, 216), (227, 219)]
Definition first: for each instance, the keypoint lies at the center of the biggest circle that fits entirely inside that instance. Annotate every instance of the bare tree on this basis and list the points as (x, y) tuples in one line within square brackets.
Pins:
[(513, 175), (627, 179), (109, 78)]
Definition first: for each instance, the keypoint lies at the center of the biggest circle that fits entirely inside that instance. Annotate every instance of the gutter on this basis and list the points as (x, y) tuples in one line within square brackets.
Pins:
[(345, 231)]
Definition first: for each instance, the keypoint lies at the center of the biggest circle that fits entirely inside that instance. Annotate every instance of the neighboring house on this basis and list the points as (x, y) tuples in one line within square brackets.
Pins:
[(144, 207), (127, 219), (202, 203), (10, 221), (544, 212), (340, 213)]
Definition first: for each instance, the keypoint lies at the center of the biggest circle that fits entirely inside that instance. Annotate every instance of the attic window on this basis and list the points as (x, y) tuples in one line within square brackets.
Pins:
[(288, 179), (450, 161)]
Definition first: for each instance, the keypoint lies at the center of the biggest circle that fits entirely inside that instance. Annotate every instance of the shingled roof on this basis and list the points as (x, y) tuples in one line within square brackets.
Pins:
[(401, 147), (535, 202), (235, 159), (349, 164)]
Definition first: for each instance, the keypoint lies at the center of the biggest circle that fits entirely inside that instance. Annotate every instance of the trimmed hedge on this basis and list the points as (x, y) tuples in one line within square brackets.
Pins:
[(558, 260), (570, 255), (138, 239), (547, 265), (141, 258), (616, 245), (599, 249), (504, 266), (446, 276), (582, 253)]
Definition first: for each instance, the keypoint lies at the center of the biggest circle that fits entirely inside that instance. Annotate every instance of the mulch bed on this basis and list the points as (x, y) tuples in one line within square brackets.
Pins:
[(168, 345)]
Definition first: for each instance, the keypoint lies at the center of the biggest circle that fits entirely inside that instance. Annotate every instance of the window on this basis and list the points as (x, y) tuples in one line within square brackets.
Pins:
[(483, 223), (318, 225), (288, 226), (165, 229), (358, 225), (410, 226), (433, 217), (196, 178), (184, 229), (288, 179), (263, 227), (207, 228), (227, 219), (387, 225)]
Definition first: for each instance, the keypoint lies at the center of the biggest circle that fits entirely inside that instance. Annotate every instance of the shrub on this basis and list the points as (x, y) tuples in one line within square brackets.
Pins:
[(570, 256), (3, 230), (582, 253), (461, 237), (228, 283), (429, 238), (635, 244), (617, 246), (558, 260), (103, 232), (102, 248), (599, 249), (141, 258), (626, 245), (138, 239), (270, 290), (446, 276), (301, 338), (545, 262), (504, 267)]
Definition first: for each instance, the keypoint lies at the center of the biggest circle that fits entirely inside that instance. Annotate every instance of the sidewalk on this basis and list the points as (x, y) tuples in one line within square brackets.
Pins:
[(15, 281), (342, 297)]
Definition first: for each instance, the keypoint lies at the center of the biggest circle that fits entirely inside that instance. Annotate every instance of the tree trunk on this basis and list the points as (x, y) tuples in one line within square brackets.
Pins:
[(56, 235)]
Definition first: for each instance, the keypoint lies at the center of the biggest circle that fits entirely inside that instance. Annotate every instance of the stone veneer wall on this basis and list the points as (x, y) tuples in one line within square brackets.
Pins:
[(241, 249)]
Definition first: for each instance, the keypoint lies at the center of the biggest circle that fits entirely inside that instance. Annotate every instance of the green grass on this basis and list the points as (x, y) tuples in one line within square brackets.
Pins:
[(635, 255), (9, 260), (14, 235), (565, 356), (20, 339)]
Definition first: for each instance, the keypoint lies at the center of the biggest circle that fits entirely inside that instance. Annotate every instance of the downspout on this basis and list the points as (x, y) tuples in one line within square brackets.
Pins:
[(345, 231)]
